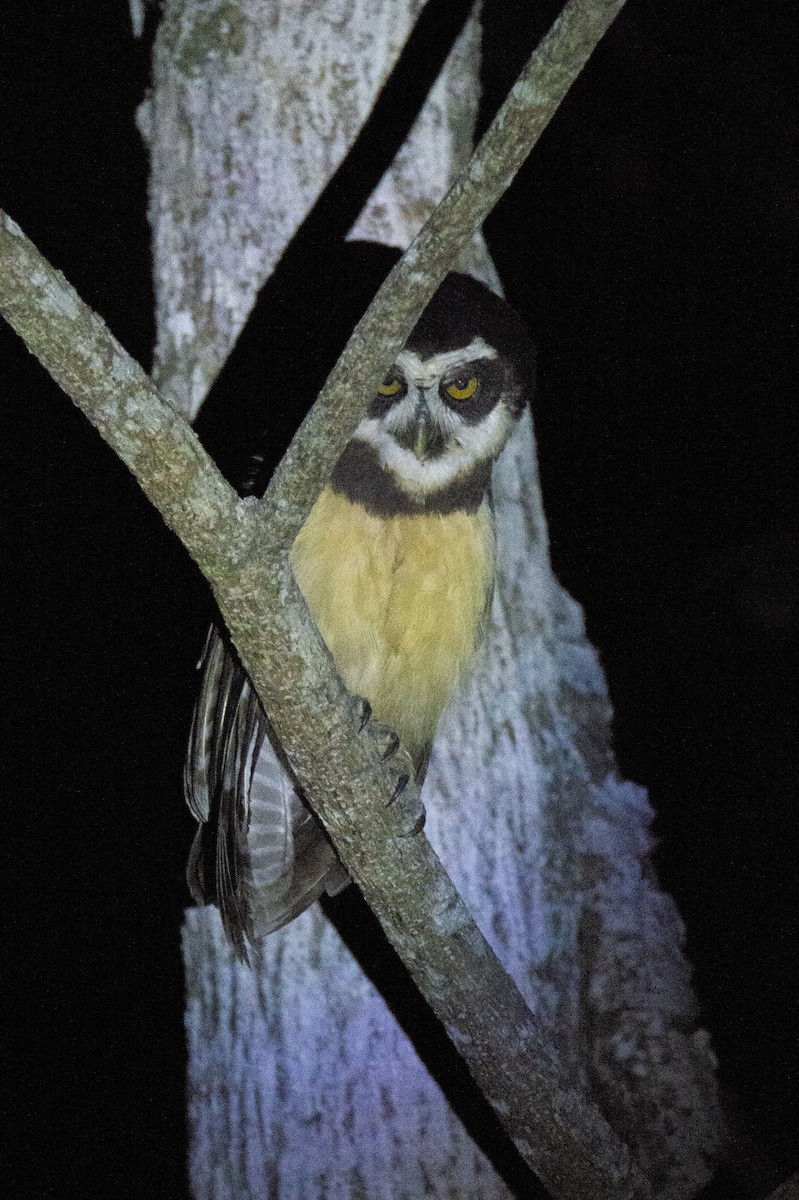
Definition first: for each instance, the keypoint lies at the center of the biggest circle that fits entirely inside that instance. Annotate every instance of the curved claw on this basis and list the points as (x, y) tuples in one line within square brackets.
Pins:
[(391, 748), (365, 715), (383, 737), (409, 810), (417, 826), (401, 785)]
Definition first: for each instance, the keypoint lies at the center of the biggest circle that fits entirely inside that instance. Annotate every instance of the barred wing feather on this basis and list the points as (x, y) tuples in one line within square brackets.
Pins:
[(259, 853)]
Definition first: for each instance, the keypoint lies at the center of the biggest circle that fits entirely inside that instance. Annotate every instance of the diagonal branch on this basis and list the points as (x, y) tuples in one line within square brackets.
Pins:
[(563, 1137)]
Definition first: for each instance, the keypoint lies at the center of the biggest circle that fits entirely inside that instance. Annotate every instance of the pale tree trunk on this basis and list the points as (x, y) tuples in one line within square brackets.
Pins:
[(301, 1083)]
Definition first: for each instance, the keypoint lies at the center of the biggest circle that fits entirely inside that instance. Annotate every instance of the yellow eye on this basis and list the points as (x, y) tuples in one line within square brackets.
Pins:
[(389, 387), (463, 393)]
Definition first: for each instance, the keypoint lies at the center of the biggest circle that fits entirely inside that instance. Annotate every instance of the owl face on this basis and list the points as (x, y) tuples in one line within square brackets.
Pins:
[(435, 419), (446, 408)]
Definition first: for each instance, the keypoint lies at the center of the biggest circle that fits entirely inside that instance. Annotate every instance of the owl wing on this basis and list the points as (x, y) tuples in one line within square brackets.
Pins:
[(259, 853)]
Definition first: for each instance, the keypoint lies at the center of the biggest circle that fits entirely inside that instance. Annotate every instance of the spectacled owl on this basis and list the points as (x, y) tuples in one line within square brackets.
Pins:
[(396, 564)]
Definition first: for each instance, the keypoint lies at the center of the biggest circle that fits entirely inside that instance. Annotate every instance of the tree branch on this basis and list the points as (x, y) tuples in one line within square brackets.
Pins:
[(563, 1138)]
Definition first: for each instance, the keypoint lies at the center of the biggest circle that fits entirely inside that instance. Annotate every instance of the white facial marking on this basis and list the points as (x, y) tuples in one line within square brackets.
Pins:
[(467, 445), (427, 371), (472, 445)]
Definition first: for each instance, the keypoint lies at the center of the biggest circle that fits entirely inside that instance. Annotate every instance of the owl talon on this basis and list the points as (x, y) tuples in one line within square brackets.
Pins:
[(365, 714), (401, 785), (384, 738), (417, 826), (392, 746), (416, 815)]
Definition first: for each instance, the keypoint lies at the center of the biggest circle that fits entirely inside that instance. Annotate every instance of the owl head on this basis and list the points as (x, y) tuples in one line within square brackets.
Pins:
[(445, 409)]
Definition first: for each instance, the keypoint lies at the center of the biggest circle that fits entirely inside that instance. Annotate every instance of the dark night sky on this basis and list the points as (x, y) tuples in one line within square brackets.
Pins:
[(646, 243)]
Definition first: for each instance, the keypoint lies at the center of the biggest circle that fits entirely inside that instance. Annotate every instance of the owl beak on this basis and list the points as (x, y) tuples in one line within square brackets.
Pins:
[(422, 430)]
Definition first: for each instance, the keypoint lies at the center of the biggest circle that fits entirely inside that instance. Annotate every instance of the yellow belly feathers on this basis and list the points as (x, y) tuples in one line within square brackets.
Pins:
[(400, 603)]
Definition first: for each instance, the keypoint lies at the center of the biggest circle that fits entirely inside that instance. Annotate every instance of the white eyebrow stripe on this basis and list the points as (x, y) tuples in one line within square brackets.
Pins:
[(425, 371)]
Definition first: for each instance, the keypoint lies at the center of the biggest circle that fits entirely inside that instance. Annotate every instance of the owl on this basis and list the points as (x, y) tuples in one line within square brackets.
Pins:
[(395, 562)]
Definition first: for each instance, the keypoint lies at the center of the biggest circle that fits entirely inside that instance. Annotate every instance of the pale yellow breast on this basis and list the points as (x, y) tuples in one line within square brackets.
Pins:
[(399, 601)]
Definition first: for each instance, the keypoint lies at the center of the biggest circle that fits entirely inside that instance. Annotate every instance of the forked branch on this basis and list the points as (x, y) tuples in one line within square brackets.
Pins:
[(240, 547)]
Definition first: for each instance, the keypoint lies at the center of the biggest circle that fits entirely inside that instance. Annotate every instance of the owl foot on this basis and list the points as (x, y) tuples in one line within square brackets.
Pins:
[(418, 814), (385, 739), (364, 713), (408, 810), (402, 783)]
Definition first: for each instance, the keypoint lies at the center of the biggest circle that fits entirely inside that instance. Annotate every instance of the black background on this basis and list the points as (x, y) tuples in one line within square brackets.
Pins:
[(645, 242)]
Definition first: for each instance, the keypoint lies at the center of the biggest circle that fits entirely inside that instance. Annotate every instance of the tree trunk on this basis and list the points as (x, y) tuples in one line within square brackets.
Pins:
[(301, 1082)]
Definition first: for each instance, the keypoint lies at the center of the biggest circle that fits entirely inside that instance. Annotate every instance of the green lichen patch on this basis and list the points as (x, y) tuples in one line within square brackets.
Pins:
[(216, 34)]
